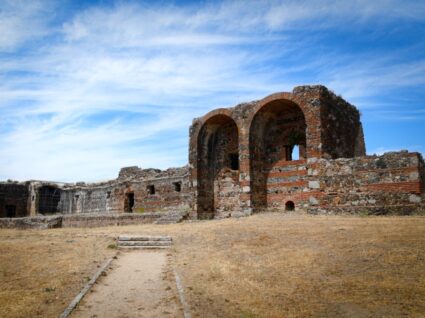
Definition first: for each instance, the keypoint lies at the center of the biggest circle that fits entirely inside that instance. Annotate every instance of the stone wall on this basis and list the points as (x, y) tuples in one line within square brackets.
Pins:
[(218, 155), (340, 123), (99, 220), (242, 161), (35, 222), (422, 176), (171, 187), (227, 193), (320, 123), (385, 184), (14, 199), (147, 189), (79, 220)]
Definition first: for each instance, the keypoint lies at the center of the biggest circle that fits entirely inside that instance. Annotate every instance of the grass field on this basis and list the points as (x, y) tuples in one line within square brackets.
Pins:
[(269, 265)]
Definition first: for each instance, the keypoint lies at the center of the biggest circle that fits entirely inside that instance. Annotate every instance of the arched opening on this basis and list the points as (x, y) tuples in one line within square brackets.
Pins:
[(48, 199), (277, 130), (289, 206), (218, 167)]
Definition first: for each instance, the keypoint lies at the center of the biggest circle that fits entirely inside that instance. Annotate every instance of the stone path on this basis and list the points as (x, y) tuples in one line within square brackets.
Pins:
[(139, 284)]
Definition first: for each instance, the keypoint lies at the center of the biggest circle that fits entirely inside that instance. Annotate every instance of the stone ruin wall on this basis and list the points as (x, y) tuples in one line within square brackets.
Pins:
[(130, 193), (422, 177), (241, 162), (32, 198), (387, 184), (332, 175), (340, 126), (13, 199)]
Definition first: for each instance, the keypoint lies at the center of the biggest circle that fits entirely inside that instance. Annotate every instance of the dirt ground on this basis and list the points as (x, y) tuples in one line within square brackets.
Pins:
[(269, 265), (136, 285)]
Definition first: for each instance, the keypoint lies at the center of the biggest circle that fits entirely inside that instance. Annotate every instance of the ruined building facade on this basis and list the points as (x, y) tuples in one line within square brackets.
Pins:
[(288, 151)]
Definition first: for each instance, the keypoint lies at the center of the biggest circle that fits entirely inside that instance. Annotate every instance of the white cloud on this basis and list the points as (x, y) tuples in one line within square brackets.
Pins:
[(22, 21), (146, 71)]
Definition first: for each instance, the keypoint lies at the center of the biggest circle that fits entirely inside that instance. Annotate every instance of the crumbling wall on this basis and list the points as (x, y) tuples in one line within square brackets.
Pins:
[(241, 161), (170, 194), (14, 199), (422, 176), (89, 199), (157, 190), (342, 132), (385, 184), (274, 132), (172, 191), (34, 222), (112, 219), (226, 193), (217, 152)]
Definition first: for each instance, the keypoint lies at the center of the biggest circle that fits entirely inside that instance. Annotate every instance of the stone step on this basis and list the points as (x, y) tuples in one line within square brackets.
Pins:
[(145, 243), (144, 247), (143, 238)]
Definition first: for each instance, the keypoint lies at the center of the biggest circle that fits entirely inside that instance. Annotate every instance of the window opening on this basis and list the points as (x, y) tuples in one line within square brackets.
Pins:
[(177, 186), (151, 189), (234, 161), (296, 153)]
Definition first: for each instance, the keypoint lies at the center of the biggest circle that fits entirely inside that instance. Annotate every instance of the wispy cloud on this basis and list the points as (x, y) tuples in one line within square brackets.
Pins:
[(22, 21), (84, 93)]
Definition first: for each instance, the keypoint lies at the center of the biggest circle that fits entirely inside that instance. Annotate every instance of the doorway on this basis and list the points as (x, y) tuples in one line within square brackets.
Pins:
[(129, 202)]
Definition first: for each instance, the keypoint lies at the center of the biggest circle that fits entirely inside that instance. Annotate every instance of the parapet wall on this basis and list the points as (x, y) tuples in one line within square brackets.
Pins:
[(387, 184)]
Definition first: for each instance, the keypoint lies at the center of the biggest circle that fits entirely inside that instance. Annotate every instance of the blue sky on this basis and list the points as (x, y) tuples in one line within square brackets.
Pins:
[(87, 87)]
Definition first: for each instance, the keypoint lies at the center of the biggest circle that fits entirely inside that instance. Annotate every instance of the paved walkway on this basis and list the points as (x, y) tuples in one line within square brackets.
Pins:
[(135, 286)]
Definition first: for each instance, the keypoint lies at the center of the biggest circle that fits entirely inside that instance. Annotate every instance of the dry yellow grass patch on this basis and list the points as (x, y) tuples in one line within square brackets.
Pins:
[(269, 265), (42, 271)]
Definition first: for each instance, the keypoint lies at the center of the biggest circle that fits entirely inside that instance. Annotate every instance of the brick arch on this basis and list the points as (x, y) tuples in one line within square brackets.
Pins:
[(274, 122), (217, 148), (204, 119), (311, 115)]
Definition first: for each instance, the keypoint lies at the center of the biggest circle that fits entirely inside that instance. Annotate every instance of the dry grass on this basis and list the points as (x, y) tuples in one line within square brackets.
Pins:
[(263, 266), (42, 271)]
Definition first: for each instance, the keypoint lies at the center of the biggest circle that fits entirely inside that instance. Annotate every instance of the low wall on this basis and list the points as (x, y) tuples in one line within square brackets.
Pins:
[(98, 220), (81, 220), (402, 209), (35, 222), (377, 185)]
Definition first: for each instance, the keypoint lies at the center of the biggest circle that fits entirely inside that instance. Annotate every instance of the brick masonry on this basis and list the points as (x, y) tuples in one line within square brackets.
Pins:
[(332, 173), (242, 160)]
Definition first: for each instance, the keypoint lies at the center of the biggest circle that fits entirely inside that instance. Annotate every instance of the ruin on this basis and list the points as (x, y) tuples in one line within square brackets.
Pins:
[(289, 151)]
